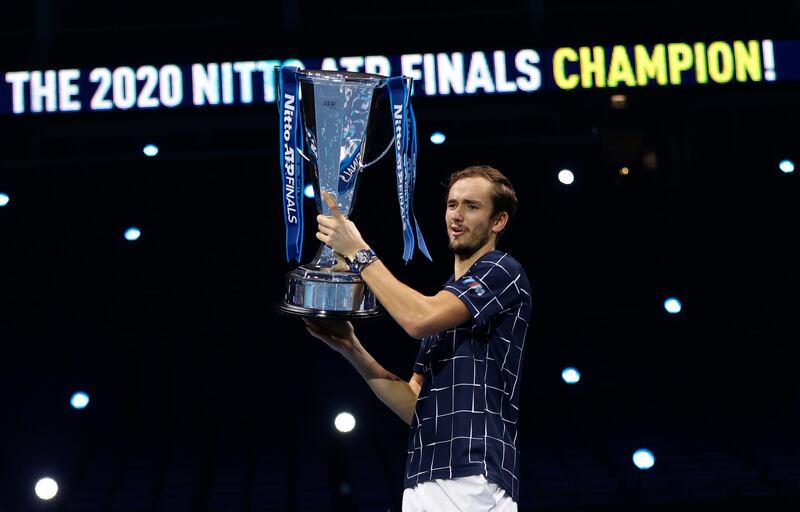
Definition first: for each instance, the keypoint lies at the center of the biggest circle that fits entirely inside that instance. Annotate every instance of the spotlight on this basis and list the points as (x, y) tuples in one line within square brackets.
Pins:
[(624, 171), (150, 150), (46, 488), (345, 422), (79, 400), (4, 199), (132, 234), (619, 101), (566, 177), (438, 137), (673, 305), (643, 458), (309, 191), (786, 166), (571, 375)]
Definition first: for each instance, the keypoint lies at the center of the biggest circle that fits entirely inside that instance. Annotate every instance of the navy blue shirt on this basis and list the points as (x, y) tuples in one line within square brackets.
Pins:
[(465, 420)]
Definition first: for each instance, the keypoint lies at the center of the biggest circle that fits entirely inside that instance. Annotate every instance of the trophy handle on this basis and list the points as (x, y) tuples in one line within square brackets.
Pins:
[(308, 159), (391, 143)]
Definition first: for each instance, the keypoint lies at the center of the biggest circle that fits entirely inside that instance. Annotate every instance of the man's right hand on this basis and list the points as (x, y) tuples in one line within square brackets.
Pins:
[(337, 334)]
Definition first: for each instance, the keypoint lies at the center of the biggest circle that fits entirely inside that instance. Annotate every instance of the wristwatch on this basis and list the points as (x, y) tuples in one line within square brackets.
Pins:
[(362, 258)]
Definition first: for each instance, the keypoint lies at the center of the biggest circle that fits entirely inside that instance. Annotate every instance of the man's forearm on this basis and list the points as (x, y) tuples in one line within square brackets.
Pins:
[(393, 391), (407, 306), (397, 395)]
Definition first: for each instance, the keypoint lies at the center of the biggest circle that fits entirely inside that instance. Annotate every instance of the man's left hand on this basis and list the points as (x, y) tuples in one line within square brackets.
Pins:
[(336, 231)]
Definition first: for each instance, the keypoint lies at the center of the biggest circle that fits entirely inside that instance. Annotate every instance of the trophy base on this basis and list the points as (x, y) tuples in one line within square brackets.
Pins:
[(327, 294), (289, 309)]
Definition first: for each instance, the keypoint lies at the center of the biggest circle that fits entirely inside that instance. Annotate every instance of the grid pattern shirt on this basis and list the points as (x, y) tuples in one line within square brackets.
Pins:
[(465, 420)]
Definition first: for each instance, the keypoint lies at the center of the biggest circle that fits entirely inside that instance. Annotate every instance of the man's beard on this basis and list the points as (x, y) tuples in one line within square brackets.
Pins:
[(466, 248)]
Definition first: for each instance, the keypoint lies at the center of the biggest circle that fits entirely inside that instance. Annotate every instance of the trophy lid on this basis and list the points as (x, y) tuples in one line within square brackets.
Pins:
[(338, 76)]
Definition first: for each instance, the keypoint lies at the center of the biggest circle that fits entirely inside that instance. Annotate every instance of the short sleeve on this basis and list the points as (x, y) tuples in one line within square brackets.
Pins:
[(489, 287)]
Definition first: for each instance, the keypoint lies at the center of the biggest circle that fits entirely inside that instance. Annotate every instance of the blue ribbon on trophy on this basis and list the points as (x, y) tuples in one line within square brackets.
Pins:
[(405, 145), (413, 173), (291, 160)]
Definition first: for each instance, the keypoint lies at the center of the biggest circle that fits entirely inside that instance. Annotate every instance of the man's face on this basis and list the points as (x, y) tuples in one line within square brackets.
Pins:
[(469, 215)]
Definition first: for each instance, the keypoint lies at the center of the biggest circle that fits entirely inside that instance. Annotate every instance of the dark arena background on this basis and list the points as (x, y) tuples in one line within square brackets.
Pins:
[(663, 262)]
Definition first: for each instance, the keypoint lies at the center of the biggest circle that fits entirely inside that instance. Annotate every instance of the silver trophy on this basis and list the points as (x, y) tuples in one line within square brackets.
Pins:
[(336, 109)]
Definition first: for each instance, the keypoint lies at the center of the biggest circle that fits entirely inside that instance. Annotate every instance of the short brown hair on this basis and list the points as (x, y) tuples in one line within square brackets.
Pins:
[(504, 199)]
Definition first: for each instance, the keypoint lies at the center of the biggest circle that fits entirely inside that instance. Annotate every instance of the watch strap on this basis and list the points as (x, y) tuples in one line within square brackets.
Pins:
[(356, 265)]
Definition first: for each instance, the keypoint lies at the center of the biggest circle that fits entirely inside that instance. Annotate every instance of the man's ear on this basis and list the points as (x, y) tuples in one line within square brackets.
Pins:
[(500, 222)]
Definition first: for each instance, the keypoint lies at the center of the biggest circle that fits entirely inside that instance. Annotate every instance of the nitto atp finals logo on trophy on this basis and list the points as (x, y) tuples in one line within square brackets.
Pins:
[(324, 118)]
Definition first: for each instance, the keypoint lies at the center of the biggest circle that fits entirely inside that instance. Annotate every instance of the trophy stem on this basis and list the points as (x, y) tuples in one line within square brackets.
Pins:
[(326, 260)]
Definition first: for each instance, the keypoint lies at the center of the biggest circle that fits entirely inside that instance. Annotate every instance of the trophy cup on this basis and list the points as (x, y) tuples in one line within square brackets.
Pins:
[(324, 119)]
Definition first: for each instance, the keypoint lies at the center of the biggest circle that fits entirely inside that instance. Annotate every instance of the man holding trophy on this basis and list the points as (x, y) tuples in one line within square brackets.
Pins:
[(462, 401)]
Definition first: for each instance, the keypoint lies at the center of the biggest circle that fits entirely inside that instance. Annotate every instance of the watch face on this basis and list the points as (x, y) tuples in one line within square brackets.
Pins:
[(362, 256)]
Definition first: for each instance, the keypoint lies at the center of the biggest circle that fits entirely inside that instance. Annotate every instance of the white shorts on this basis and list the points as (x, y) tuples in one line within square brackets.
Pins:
[(465, 494)]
